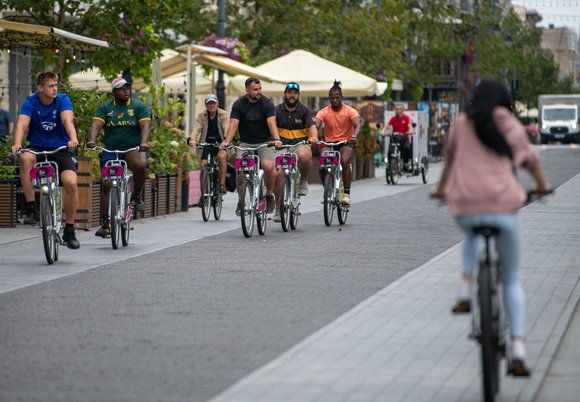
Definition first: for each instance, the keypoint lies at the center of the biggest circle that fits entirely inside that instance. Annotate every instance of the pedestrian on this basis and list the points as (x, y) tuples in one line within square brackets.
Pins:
[(47, 118), (485, 146), (6, 124), (127, 124), (254, 116)]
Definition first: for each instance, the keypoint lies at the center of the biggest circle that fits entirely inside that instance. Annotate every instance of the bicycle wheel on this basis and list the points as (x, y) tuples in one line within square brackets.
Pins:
[(262, 216), (328, 199), (217, 203), (248, 210), (285, 203), (425, 170), (394, 168), (126, 226), (206, 194), (388, 174), (489, 338), (294, 214), (49, 237), (116, 221), (342, 213)]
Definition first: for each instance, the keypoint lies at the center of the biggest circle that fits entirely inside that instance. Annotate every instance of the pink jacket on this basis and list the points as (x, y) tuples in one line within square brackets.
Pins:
[(480, 181)]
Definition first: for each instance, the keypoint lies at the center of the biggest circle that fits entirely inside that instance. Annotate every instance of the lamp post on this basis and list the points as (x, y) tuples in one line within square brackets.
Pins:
[(220, 86)]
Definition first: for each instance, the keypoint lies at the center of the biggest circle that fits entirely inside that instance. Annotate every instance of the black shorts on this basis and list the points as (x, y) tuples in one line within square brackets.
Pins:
[(206, 151), (338, 147), (63, 158)]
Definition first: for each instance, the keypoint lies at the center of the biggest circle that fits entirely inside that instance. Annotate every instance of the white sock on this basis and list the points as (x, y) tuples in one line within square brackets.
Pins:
[(464, 291), (518, 349)]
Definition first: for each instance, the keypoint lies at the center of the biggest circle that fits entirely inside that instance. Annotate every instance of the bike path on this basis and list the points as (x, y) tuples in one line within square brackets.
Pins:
[(402, 344)]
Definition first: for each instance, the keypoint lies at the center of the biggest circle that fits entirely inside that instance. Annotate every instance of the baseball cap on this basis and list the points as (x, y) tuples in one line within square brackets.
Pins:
[(211, 98), (119, 82), (292, 85)]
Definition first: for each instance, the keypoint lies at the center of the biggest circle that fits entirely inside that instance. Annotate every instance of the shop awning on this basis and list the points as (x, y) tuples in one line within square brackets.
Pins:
[(41, 35)]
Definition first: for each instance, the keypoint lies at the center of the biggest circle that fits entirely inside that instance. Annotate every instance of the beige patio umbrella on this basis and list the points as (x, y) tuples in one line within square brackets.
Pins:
[(314, 74)]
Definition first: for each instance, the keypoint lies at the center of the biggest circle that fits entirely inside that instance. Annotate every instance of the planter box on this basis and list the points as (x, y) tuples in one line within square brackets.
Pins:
[(8, 205), (194, 187)]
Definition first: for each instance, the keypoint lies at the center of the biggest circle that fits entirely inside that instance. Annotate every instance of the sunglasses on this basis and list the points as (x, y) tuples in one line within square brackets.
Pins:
[(292, 86)]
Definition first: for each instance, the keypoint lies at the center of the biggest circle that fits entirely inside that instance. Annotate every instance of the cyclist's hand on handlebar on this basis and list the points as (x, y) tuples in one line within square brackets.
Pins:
[(224, 145), (313, 140), (143, 147), (73, 144), (16, 148), (277, 143), (352, 141)]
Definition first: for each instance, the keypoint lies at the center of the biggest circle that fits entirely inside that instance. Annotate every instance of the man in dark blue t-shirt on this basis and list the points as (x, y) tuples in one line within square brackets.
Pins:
[(6, 125), (254, 116)]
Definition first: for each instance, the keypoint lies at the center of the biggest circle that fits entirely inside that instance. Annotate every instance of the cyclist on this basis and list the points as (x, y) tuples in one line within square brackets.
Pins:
[(295, 123), (210, 126), (341, 123), (127, 124), (48, 118), (254, 116), (402, 125), (486, 144)]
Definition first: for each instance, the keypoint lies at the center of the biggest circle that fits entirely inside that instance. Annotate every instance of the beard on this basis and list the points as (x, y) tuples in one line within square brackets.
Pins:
[(290, 102)]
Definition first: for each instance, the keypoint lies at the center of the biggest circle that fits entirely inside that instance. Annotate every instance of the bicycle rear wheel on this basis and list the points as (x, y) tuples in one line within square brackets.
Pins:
[(328, 199), (206, 194), (294, 214), (489, 338), (49, 237), (394, 167), (248, 210), (342, 213), (116, 221), (126, 226), (285, 205)]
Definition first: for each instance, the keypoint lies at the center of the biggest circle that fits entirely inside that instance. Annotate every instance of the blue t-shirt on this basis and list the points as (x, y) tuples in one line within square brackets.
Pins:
[(46, 128), (5, 120)]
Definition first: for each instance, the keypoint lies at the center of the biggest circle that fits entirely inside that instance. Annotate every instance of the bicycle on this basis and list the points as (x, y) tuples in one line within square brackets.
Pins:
[(253, 191), (212, 198), (393, 169), (289, 188), (489, 326), (46, 178), (333, 185), (120, 209)]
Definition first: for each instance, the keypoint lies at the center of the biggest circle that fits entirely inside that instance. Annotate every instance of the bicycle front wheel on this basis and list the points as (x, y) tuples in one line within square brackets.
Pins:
[(489, 338), (294, 214), (388, 174), (116, 220), (328, 200), (49, 237), (285, 204), (262, 215), (248, 209), (206, 194), (394, 167)]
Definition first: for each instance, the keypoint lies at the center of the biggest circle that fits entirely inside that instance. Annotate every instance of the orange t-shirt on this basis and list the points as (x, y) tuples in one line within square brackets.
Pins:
[(337, 125)]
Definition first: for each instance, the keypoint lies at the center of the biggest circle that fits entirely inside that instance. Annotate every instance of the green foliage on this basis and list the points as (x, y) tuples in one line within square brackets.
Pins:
[(168, 150), (7, 169), (367, 145)]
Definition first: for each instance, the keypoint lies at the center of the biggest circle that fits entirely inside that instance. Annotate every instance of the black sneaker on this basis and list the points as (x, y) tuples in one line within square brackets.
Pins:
[(30, 215), (137, 204), (70, 239), (201, 201), (239, 209), (271, 204), (223, 190)]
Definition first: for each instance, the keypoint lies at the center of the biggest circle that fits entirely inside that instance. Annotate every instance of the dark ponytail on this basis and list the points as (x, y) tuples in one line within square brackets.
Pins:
[(488, 95), (336, 87)]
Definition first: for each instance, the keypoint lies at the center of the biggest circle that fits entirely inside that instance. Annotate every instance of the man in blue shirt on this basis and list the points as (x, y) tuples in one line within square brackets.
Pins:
[(48, 118), (6, 125)]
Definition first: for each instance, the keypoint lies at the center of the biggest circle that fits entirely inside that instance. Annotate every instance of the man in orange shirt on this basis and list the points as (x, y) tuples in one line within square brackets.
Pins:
[(341, 123)]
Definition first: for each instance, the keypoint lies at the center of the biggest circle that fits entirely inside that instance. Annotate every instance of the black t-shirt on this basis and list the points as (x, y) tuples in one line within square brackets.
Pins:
[(213, 134), (253, 127)]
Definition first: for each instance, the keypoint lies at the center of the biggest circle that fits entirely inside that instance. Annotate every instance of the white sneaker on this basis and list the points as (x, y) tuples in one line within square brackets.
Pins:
[(346, 200), (277, 217), (303, 187)]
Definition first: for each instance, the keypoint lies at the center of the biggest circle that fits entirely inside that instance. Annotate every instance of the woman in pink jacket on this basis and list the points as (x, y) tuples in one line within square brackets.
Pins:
[(485, 146)]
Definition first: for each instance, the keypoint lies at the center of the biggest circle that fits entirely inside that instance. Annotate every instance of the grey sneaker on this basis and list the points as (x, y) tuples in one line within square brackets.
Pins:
[(271, 203), (346, 200), (303, 187), (277, 217)]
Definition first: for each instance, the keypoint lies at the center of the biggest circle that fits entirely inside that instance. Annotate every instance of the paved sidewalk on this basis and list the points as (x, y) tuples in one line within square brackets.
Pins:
[(404, 345)]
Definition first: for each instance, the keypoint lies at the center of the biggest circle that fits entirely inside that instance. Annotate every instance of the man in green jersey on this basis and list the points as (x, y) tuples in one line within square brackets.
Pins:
[(127, 124)]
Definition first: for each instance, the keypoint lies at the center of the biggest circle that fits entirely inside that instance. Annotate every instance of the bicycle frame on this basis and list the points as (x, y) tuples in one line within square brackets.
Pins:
[(249, 166), (330, 160), (288, 163), (210, 177), (118, 174)]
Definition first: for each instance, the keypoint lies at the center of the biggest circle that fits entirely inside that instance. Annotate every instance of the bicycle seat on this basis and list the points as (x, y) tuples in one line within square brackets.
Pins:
[(486, 230)]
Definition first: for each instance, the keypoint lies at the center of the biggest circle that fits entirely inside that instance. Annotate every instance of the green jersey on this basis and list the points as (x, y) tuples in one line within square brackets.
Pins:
[(122, 123)]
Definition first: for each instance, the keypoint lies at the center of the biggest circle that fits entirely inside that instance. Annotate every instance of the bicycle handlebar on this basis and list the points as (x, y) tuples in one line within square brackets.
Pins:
[(268, 144), (22, 150), (332, 143), (137, 148), (207, 144)]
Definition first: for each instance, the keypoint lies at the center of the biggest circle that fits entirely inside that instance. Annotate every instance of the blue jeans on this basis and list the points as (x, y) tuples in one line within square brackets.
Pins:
[(508, 245)]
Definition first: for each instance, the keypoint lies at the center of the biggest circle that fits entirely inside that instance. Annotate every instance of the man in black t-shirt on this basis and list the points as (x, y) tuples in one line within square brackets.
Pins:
[(254, 117)]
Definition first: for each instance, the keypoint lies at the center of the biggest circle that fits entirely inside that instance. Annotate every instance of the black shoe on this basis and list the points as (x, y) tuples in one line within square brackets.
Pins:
[(137, 204), (30, 215), (70, 239), (271, 204), (239, 209), (517, 368), (201, 202), (223, 190), (461, 307), (104, 231)]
